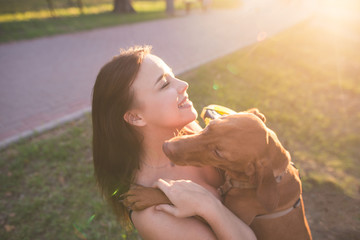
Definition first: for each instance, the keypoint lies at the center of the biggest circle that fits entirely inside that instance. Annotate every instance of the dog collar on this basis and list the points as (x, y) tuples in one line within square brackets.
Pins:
[(281, 213)]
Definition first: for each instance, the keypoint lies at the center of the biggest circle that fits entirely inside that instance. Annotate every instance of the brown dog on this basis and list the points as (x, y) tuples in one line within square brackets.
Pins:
[(262, 188)]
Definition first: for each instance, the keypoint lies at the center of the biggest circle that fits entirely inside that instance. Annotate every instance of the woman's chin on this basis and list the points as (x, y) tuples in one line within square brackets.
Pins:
[(188, 118), (192, 114)]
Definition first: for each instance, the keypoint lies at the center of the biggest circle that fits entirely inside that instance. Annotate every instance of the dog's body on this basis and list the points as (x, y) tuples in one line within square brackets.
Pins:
[(286, 221), (262, 187)]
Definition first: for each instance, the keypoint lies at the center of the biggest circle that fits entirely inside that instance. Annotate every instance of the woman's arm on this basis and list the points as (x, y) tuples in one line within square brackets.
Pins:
[(191, 199), (159, 225), (175, 222)]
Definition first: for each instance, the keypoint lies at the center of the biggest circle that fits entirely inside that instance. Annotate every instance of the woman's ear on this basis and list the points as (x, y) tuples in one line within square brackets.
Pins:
[(134, 118)]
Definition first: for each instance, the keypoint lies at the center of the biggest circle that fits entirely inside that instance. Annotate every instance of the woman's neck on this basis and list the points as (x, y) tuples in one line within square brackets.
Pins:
[(154, 138)]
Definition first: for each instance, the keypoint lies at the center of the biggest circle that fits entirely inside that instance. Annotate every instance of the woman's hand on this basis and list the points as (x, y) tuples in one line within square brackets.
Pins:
[(189, 198)]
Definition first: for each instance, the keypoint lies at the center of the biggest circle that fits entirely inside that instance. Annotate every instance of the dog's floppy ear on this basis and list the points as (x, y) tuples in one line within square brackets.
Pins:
[(267, 192), (257, 113), (277, 154)]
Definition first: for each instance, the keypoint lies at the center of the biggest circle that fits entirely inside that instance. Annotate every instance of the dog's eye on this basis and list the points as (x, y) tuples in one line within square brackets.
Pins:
[(218, 153)]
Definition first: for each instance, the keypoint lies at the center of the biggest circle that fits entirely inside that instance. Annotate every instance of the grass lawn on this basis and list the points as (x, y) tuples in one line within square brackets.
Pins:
[(305, 80), (27, 19)]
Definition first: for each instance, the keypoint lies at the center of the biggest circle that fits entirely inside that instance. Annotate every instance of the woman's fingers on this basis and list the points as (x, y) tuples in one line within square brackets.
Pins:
[(169, 186), (163, 184), (168, 209), (184, 194)]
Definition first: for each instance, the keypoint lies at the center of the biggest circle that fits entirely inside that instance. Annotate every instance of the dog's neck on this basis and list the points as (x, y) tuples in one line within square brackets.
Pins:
[(237, 176), (242, 177), (241, 180)]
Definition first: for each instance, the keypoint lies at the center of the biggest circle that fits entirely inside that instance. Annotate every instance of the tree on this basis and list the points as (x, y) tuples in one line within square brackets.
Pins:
[(80, 6), (51, 7), (170, 9), (123, 6)]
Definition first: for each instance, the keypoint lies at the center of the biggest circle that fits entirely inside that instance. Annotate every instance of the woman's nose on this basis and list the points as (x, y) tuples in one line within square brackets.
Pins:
[(182, 86)]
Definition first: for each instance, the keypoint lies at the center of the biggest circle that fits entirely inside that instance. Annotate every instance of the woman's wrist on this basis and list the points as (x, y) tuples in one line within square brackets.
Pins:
[(210, 207), (224, 223)]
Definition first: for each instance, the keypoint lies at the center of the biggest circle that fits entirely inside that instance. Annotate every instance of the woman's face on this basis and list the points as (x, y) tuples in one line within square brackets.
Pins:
[(161, 99)]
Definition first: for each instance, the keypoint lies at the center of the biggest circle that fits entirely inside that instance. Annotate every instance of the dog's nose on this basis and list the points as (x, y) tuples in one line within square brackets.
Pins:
[(166, 149)]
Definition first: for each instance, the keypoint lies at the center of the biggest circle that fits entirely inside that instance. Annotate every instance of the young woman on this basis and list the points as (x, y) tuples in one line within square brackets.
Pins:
[(138, 103)]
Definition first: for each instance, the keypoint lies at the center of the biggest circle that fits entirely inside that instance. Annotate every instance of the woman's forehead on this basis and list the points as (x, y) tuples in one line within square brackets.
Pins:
[(151, 68), (155, 63)]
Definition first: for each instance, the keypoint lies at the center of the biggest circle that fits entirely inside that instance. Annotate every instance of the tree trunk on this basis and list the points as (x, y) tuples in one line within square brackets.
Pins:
[(170, 9), (70, 3), (51, 7), (123, 6), (80, 6)]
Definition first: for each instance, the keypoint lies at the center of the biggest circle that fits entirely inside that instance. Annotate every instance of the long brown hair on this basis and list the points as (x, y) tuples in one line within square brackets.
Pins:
[(116, 144)]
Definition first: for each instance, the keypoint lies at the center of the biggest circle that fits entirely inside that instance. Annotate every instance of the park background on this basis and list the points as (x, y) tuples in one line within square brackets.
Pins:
[(305, 79)]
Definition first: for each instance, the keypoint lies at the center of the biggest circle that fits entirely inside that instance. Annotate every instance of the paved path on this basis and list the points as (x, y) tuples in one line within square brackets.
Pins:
[(48, 81)]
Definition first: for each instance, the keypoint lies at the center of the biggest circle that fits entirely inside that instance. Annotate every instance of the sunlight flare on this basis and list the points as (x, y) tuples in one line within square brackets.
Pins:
[(261, 36)]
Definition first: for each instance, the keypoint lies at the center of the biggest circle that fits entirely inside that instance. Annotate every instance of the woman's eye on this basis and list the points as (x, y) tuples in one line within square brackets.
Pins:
[(165, 84)]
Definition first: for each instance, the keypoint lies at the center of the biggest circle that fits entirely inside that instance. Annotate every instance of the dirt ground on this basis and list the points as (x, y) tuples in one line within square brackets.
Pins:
[(331, 214)]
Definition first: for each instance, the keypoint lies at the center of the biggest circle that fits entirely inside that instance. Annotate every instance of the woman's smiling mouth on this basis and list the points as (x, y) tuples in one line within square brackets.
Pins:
[(185, 103)]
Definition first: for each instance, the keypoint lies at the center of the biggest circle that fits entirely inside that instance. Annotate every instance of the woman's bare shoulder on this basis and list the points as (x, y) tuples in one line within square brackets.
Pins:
[(154, 224)]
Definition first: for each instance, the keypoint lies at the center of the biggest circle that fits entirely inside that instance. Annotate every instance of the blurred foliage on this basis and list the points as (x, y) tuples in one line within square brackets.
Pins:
[(31, 19), (16, 6)]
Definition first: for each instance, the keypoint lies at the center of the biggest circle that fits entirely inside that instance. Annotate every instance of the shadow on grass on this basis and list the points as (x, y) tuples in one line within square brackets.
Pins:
[(330, 212)]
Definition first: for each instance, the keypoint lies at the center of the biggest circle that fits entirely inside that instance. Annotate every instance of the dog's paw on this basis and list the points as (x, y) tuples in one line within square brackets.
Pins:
[(257, 113), (139, 198)]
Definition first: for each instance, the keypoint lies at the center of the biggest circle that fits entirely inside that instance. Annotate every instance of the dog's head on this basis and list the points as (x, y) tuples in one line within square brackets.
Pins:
[(239, 144)]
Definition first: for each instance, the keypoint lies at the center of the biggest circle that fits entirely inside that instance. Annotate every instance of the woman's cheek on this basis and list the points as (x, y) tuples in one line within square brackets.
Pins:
[(171, 100), (164, 110)]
